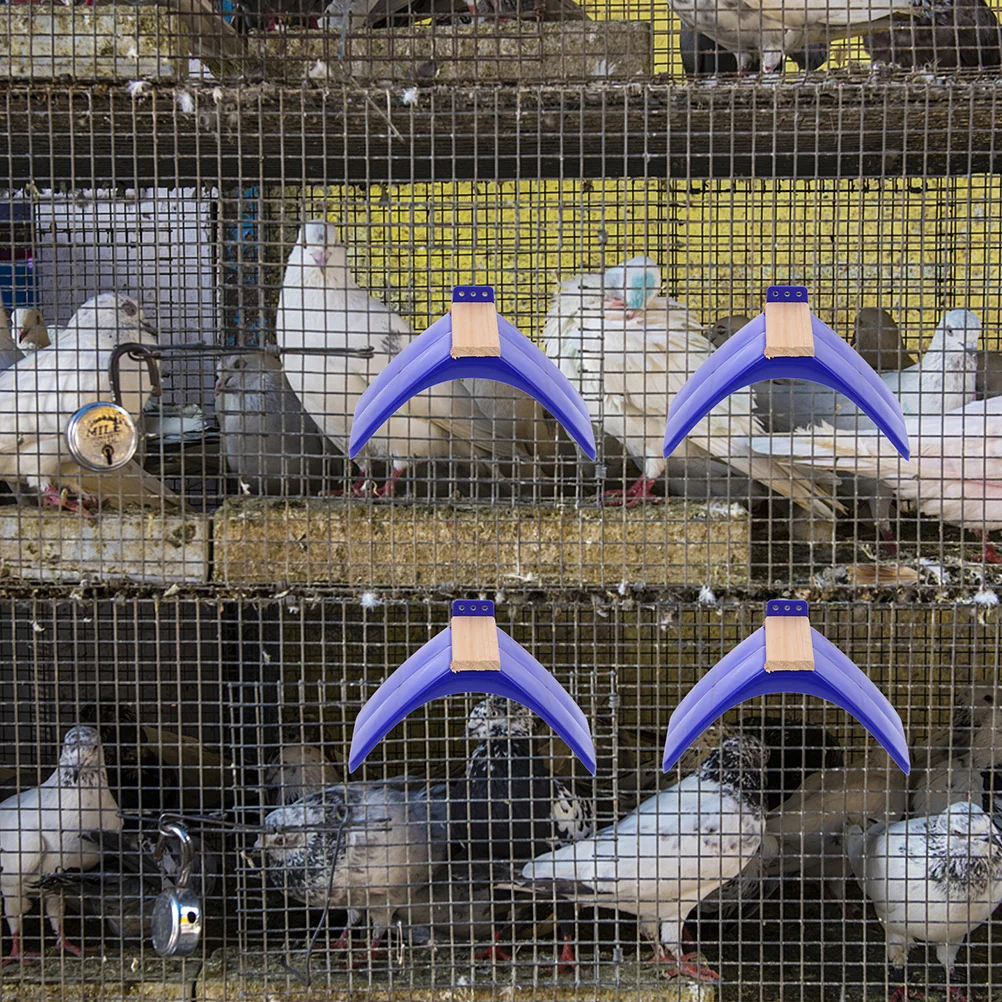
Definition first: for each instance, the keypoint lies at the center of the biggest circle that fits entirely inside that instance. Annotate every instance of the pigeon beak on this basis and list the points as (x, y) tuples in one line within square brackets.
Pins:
[(220, 385), (320, 258)]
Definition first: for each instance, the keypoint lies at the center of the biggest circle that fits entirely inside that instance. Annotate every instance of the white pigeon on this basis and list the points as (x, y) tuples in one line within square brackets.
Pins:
[(946, 376), (931, 879), (41, 392), (320, 305), (40, 831), (765, 30), (944, 379), (9, 353), (951, 474), (29, 328), (676, 848), (629, 352), (808, 826)]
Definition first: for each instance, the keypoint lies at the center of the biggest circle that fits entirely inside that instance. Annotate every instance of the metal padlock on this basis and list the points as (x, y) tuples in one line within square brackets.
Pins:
[(177, 913), (102, 436)]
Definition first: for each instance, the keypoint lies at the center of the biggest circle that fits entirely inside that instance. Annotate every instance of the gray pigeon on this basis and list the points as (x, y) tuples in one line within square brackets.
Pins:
[(123, 890), (296, 771), (956, 765), (41, 831), (931, 879), (721, 330), (963, 34), (364, 847), (989, 382), (877, 339), (676, 848), (271, 445)]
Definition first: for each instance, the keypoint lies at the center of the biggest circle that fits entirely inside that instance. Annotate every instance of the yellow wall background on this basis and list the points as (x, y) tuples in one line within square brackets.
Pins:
[(916, 246)]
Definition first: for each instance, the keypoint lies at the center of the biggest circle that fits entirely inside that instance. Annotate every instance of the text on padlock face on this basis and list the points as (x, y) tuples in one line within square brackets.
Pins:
[(102, 437)]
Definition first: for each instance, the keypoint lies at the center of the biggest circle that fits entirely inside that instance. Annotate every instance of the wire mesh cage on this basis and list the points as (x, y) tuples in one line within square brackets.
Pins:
[(276, 686), (253, 444)]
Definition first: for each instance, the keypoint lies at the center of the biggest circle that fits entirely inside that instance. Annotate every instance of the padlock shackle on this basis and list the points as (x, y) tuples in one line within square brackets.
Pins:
[(169, 828), (138, 353)]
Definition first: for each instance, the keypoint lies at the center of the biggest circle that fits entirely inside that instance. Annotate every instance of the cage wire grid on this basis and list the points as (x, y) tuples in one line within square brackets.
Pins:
[(283, 676), (220, 610)]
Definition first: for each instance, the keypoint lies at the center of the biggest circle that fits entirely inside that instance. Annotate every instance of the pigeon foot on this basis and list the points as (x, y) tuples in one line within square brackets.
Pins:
[(493, 952), (568, 958), (904, 994), (639, 493), (697, 972), (17, 954), (62, 943), (62, 499)]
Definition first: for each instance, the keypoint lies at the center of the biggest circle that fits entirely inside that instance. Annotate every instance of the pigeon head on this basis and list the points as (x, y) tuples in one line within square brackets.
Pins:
[(725, 328), (960, 328), (111, 312), (496, 717), (247, 370), (739, 762), (29, 328), (321, 244), (81, 751), (971, 828), (633, 283), (284, 830)]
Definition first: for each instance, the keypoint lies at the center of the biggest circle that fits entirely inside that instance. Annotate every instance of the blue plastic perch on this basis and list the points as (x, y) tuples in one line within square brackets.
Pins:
[(785, 341), (471, 655), (785, 655), (471, 341)]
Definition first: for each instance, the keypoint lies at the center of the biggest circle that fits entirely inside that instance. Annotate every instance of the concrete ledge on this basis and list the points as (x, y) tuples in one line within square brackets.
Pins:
[(258, 541), (430, 976), (130, 975), (90, 43), (136, 546), (512, 52)]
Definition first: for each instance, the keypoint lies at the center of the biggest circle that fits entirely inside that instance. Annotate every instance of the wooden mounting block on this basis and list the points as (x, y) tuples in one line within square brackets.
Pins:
[(475, 643), (475, 331), (788, 645), (788, 332)]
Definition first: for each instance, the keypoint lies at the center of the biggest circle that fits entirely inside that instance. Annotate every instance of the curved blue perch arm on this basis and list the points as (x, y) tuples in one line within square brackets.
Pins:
[(748, 357), (749, 670), (447, 351), (445, 666)]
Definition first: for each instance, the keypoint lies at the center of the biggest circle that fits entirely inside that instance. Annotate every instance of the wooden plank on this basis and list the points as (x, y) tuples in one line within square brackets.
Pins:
[(788, 331), (262, 134), (788, 644), (475, 644), (475, 331)]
